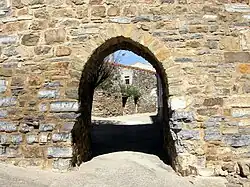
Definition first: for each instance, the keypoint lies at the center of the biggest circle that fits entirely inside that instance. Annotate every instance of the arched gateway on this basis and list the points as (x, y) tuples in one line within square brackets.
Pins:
[(126, 38), (200, 50)]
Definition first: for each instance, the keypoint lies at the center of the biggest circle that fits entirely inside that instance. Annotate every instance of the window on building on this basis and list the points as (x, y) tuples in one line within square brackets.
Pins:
[(127, 80)]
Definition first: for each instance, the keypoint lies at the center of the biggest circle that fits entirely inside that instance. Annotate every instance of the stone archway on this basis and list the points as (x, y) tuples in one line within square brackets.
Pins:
[(117, 38)]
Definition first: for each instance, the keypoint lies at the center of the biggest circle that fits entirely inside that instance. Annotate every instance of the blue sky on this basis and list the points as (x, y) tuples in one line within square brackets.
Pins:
[(128, 57)]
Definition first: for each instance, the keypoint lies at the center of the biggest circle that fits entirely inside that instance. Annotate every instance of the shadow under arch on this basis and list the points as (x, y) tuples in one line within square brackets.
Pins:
[(81, 132)]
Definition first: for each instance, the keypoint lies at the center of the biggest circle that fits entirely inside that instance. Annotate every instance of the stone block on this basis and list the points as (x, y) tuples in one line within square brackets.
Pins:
[(64, 106), (31, 39), (122, 20), (244, 68), (43, 138), (3, 113), (67, 127), (238, 101), (230, 43), (48, 94), (16, 139), (46, 127), (61, 137), (61, 164), (4, 139), (63, 51), (98, 11), (198, 28), (213, 102), (177, 103), (244, 167), (243, 57), (237, 7), (72, 93), (207, 111), (24, 128), (8, 39), (186, 116), (189, 134), (184, 59), (42, 50), (236, 140), (3, 86), (43, 107), (59, 152), (113, 11), (240, 112), (31, 138), (55, 36), (212, 135), (12, 152), (7, 127), (8, 101), (5, 72)]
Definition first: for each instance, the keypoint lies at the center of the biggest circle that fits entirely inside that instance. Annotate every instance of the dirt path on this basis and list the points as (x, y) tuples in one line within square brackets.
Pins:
[(123, 169)]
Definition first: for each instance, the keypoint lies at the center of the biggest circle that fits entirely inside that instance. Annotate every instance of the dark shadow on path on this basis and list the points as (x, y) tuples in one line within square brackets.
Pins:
[(108, 137)]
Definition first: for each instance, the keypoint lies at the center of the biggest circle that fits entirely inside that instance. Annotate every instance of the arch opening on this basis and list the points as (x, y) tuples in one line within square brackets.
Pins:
[(81, 133)]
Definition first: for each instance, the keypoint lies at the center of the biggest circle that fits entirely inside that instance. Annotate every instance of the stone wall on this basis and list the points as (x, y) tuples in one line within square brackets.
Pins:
[(108, 101), (202, 46)]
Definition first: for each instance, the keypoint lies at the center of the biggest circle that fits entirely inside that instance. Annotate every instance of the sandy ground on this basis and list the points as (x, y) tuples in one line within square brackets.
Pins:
[(121, 169)]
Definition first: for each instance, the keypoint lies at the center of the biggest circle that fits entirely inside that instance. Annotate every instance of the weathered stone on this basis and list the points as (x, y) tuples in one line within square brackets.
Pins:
[(43, 138), (55, 36), (46, 127), (237, 57), (8, 101), (244, 68), (48, 94), (41, 13), (212, 134), (183, 116), (237, 8), (189, 134), (25, 128), (31, 138), (72, 93), (31, 39), (5, 72), (98, 11), (61, 164), (3, 86), (67, 127), (244, 167), (79, 2), (17, 81), (16, 139), (207, 111), (213, 102), (8, 40), (129, 11), (113, 11), (230, 43), (198, 28), (63, 51), (4, 139), (240, 112), (236, 140), (3, 113), (59, 152), (64, 106), (183, 60), (42, 50), (61, 137), (123, 20)]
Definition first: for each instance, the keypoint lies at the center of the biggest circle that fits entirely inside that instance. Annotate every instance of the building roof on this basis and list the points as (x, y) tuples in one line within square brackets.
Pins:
[(138, 66)]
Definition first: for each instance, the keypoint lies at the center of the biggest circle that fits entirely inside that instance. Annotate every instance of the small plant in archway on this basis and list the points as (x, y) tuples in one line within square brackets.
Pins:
[(130, 91), (136, 94)]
